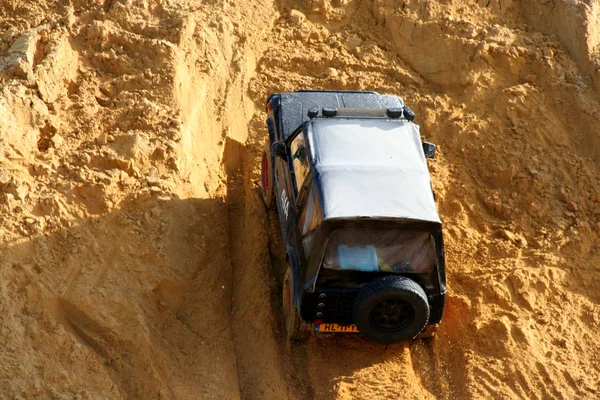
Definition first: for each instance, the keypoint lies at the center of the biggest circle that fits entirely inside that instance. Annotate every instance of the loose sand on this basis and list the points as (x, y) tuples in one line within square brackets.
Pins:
[(138, 262)]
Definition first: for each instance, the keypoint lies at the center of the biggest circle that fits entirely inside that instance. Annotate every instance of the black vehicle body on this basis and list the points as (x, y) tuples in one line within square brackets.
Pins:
[(323, 295)]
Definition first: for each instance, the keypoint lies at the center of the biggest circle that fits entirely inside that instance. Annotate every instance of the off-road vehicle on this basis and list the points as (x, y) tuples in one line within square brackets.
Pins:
[(348, 174)]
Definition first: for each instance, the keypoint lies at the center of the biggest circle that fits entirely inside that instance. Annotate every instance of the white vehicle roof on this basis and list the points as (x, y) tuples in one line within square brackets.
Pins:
[(371, 168)]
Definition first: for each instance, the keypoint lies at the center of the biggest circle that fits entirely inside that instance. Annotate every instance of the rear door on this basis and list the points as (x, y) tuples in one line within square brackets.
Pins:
[(284, 182)]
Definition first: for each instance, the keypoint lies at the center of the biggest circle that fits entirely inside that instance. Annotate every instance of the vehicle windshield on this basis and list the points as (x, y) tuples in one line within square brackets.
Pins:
[(390, 250)]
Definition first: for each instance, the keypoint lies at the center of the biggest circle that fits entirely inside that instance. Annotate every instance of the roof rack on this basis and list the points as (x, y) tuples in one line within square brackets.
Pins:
[(329, 112)]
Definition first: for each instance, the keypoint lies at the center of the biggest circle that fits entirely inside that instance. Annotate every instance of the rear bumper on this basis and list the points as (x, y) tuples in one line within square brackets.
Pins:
[(336, 305), (329, 305)]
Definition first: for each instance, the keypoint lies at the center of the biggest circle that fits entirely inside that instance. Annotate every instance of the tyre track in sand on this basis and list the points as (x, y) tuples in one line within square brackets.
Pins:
[(262, 362)]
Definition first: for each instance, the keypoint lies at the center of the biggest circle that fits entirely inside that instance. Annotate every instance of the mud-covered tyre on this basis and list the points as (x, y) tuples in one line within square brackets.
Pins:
[(296, 329), (267, 176), (391, 309)]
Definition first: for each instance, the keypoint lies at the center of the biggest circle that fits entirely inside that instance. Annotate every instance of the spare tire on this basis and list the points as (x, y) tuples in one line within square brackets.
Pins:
[(390, 309)]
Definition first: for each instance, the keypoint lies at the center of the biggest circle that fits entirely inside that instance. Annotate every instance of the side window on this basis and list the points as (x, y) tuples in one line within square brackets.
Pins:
[(299, 154), (311, 214)]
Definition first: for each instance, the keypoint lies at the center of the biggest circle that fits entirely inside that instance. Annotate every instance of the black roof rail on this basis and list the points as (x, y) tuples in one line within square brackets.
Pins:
[(329, 112)]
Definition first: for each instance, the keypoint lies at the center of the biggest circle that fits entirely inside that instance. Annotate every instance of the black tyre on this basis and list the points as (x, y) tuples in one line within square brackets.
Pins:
[(391, 309), (296, 328), (267, 176)]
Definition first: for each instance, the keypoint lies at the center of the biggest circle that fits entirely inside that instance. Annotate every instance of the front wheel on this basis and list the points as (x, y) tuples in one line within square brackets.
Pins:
[(391, 309), (296, 329)]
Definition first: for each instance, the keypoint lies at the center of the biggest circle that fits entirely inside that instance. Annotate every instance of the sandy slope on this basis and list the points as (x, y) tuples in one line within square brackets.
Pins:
[(137, 260)]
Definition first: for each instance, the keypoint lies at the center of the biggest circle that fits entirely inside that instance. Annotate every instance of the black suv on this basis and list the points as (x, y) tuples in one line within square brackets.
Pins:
[(348, 174)]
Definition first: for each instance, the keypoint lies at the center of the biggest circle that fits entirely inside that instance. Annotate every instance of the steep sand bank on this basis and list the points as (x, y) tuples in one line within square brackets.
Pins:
[(138, 260)]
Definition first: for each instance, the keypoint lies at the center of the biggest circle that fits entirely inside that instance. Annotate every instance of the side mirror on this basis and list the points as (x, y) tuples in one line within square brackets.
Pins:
[(300, 154), (429, 149), (278, 149)]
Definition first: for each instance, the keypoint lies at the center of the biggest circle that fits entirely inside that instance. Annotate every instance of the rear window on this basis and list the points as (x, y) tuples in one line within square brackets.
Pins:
[(391, 250)]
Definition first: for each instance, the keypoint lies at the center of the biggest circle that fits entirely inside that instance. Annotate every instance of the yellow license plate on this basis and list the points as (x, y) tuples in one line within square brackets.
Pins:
[(335, 328)]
